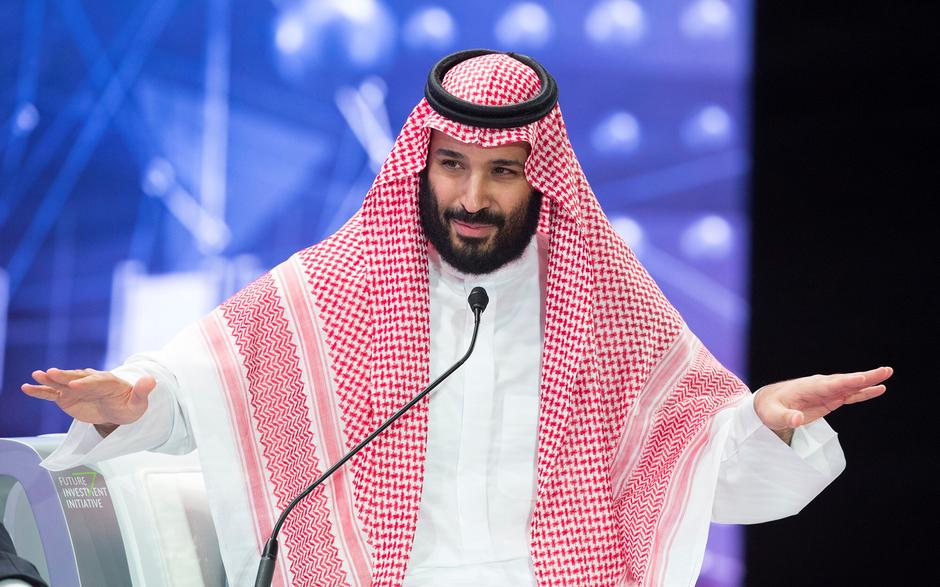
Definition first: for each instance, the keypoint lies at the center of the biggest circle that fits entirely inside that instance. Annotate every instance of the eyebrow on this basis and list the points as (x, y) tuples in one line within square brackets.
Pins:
[(496, 162), (449, 153), (507, 163)]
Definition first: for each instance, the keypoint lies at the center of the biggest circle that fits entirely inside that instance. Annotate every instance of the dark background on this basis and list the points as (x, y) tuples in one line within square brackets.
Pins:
[(844, 266)]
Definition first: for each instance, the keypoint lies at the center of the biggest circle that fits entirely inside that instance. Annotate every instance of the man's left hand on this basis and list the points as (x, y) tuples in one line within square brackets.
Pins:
[(789, 404)]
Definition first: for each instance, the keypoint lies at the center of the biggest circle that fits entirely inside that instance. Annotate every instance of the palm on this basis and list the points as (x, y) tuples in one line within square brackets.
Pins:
[(792, 403), (96, 397)]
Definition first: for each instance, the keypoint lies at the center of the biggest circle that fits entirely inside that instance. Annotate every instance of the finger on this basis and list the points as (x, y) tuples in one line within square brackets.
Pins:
[(43, 378), (850, 383), (95, 379), (100, 384), (84, 382), (63, 376), (866, 394), (40, 391), (882, 373), (875, 376), (72, 374)]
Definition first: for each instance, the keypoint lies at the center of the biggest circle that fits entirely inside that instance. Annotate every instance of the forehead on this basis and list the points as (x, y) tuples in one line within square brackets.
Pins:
[(439, 140)]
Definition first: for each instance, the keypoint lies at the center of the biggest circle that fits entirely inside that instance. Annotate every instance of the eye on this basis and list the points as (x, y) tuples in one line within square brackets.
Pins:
[(503, 171), (450, 163)]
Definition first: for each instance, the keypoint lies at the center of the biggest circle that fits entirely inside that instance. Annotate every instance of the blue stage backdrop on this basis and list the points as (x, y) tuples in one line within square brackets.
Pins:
[(156, 155)]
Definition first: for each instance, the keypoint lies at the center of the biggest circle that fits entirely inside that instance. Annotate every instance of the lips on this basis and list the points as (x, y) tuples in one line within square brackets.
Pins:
[(473, 229)]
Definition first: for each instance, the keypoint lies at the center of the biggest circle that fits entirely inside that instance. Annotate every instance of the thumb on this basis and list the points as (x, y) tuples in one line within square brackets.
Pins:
[(774, 413), (794, 418), (782, 418), (144, 386), (137, 402)]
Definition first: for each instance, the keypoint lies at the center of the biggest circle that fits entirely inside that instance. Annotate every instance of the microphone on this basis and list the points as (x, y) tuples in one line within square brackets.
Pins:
[(477, 301)]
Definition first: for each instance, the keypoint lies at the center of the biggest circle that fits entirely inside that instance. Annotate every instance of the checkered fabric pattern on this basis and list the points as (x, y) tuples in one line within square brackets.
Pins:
[(607, 327)]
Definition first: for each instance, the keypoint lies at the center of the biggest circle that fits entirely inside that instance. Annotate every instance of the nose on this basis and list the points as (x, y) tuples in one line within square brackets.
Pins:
[(475, 196)]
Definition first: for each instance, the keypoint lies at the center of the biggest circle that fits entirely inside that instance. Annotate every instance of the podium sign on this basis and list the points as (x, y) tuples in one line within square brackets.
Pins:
[(137, 520)]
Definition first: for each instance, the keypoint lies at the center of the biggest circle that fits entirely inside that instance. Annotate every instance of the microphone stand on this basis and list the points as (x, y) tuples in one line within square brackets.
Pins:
[(478, 301)]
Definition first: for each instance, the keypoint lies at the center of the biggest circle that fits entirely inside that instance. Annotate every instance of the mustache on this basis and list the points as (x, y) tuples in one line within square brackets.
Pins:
[(483, 216)]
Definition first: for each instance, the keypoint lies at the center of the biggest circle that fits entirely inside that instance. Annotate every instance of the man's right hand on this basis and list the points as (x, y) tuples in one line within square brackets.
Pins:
[(96, 397)]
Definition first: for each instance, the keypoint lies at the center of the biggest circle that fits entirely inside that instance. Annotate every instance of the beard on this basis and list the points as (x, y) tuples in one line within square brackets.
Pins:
[(477, 256)]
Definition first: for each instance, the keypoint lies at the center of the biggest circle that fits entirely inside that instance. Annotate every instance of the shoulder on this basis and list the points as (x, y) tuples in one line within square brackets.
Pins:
[(341, 252)]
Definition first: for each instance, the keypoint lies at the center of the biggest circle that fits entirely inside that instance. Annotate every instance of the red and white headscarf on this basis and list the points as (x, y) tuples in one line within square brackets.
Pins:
[(611, 474)]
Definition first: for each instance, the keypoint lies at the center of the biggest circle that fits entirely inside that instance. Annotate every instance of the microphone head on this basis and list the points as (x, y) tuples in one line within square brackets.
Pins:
[(478, 299)]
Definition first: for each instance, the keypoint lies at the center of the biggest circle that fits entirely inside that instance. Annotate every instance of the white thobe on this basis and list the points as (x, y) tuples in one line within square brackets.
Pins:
[(479, 479), (480, 465)]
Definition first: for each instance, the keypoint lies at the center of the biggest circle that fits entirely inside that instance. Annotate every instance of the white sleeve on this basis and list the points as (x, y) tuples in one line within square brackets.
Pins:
[(745, 475), (761, 478), (162, 428)]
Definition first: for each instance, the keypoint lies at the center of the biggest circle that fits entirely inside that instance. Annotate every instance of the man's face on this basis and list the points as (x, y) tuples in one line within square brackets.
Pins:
[(477, 208)]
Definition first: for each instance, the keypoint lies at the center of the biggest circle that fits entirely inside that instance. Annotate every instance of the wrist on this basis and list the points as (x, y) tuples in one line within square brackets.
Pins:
[(785, 435), (105, 429)]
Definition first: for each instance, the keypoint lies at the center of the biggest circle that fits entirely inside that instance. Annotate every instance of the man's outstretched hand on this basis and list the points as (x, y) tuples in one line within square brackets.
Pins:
[(789, 404), (96, 397)]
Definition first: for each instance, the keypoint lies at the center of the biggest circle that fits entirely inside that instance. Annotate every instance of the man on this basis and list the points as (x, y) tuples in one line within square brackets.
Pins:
[(588, 440)]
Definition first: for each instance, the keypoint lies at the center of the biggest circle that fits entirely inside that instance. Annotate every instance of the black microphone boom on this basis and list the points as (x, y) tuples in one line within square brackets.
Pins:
[(477, 301)]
